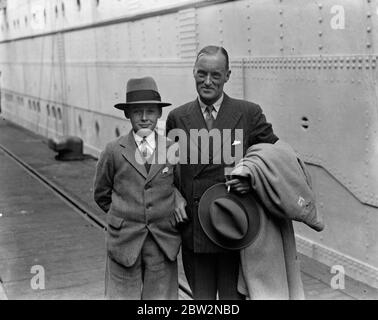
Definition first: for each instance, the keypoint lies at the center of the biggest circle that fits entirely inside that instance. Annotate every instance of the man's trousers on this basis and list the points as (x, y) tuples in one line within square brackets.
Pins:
[(210, 274)]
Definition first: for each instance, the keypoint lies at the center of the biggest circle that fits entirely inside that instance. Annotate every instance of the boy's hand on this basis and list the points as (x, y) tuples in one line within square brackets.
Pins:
[(180, 203), (180, 213)]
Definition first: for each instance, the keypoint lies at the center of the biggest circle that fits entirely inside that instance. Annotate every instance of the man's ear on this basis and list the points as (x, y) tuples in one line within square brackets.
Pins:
[(228, 74), (160, 112)]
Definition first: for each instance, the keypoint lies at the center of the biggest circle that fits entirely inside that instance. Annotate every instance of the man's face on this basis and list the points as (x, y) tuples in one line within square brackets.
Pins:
[(143, 118), (210, 75)]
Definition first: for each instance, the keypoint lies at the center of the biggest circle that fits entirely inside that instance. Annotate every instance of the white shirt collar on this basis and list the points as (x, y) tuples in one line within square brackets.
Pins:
[(216, 105), (150, 139)]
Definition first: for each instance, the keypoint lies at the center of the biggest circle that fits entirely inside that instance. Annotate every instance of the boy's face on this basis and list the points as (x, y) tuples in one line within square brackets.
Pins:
[(143, 118)]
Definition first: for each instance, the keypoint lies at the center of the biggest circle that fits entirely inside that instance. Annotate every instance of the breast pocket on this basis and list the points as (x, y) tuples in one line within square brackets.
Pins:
[(166, 172)]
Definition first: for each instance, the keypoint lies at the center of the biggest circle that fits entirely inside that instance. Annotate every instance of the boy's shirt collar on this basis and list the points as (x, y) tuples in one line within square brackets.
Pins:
[(151, 142)]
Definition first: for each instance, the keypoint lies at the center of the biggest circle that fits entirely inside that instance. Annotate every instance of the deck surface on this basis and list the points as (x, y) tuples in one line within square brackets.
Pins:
[(38, 228)]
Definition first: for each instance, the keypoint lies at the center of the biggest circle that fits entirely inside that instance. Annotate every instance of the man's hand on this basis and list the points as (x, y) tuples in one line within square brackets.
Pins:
[(239, 184)]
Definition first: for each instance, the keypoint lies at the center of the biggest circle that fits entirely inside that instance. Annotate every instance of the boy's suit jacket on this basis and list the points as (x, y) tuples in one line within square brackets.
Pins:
[(137, 202)]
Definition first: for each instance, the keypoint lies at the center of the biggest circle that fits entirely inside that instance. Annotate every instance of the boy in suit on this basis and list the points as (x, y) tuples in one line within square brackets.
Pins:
[(137, 192)]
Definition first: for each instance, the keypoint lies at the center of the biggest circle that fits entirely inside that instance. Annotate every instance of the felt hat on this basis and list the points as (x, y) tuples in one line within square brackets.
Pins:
[(142, 91), (229, 220)]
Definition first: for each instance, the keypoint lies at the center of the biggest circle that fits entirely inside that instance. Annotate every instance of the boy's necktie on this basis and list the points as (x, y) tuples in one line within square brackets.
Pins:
[(209, 117), (143, 148), (145, 153)]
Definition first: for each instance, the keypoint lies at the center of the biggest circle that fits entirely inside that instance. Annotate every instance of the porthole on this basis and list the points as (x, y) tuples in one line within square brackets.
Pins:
[(305, 123), (53, 111), (80, 123), (59, 114), (97, 128), (117, 132), (34, 106), (38, 106), (29, 104)]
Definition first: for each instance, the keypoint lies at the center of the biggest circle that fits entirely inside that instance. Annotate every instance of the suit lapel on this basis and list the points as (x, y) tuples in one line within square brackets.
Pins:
[(159, 158), (228, 117), (193, 119), (129, 152)]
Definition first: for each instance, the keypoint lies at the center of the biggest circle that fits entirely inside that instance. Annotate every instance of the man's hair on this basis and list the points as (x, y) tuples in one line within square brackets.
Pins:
[(214, 50)]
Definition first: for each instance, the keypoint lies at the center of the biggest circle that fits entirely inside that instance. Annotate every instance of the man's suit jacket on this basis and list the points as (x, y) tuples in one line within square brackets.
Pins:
[(195, 179), (137, 202)]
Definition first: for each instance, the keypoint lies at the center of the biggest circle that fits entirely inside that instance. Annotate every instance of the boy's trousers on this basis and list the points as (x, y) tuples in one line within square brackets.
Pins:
[(152, 277)]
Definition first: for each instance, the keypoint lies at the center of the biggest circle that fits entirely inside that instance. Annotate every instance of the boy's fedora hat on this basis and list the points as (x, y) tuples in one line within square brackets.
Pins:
[(229, 220), (142, 91)]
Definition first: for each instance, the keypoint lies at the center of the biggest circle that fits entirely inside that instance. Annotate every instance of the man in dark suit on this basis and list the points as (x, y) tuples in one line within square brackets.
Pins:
[(211, 270)]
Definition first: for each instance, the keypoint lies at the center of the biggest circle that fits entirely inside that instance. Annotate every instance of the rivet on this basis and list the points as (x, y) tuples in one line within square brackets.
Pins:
[(368, 45), (368, 29), (320, 34), (320, 6), (320, 20)]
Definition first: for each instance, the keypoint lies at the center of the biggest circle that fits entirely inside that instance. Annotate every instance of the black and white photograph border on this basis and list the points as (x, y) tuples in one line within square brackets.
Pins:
[(307, 70)]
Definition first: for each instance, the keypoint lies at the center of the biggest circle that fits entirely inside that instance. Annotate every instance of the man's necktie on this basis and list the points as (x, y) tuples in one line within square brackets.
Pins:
[(145, 153), (209, 117)]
